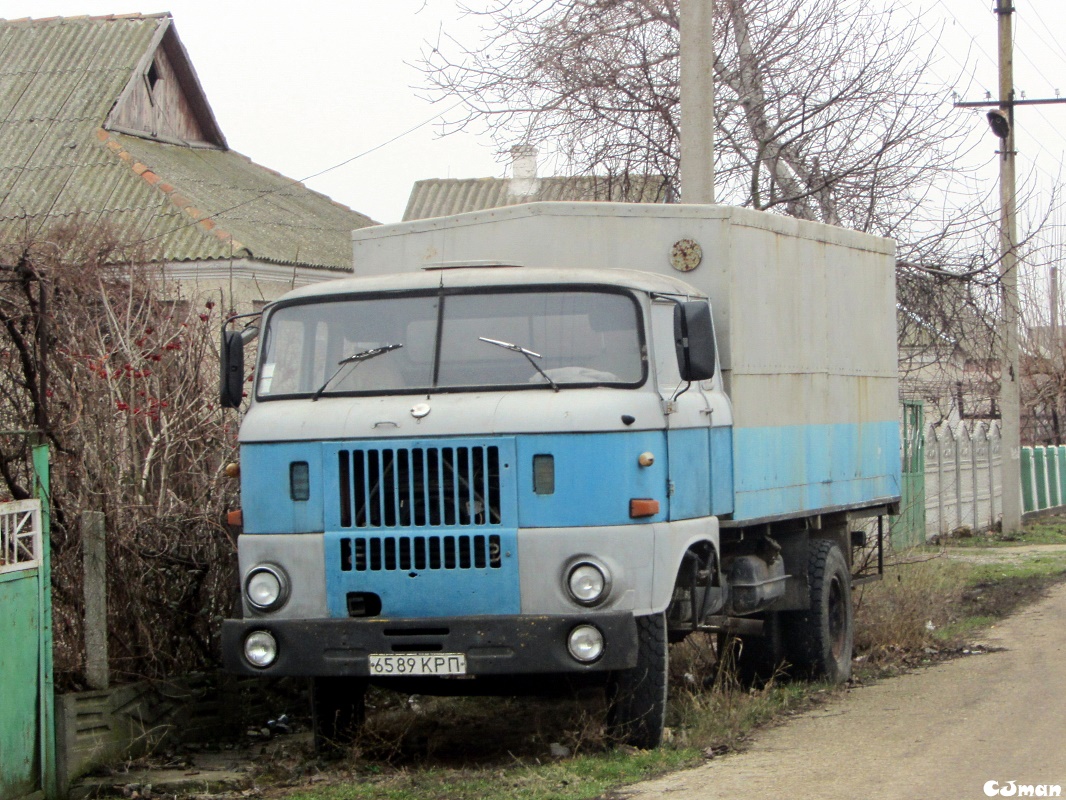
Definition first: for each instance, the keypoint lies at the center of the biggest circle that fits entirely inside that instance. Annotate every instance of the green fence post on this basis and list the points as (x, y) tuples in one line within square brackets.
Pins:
[(47, 681), (1027, 479), (1040, 478), (1060, 458), (1051, 454)]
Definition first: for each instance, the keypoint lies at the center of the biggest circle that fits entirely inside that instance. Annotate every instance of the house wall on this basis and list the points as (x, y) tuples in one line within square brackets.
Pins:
[(243, 285), (949, 384)]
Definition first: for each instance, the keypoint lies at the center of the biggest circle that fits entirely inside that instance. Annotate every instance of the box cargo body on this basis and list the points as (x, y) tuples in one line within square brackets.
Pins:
[(804, 316)]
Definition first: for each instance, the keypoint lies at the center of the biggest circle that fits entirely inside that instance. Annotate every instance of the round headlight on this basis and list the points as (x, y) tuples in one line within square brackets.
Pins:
[(585, 643), (267, 587), (588, 583), (261, 649)]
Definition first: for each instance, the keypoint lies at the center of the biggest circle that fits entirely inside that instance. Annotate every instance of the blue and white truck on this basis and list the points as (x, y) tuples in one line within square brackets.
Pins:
[(532, 446)]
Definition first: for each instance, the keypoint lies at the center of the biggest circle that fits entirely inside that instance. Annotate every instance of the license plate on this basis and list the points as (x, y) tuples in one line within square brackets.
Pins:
[(418, 664)]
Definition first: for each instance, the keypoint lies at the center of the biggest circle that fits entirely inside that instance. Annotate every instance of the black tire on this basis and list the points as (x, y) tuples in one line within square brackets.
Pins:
[(338, 709), (637, 712), (820, 641), (753, 660)]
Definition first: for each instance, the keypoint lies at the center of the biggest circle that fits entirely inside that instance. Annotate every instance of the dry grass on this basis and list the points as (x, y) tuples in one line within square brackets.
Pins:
[(711, 708), (902, 613), (457, 732), (933, 602)]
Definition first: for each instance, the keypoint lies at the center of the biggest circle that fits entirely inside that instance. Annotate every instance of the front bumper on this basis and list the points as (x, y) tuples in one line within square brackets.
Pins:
[(497, 645)]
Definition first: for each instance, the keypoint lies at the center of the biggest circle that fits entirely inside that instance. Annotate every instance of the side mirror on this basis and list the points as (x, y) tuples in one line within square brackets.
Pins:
[(231, 374), (694, 340)]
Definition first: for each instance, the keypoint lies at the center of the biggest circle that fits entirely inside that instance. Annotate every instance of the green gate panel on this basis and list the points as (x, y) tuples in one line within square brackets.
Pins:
[(908, 529), (27, 732), (20, 620)]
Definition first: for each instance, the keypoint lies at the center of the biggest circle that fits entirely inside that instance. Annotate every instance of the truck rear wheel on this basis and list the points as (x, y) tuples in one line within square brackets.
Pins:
[(637, 712), (820, 640), (338, 709)]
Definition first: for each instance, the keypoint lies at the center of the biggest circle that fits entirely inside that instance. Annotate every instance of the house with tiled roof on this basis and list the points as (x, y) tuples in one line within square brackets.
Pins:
[(103, 120), (441, 197)]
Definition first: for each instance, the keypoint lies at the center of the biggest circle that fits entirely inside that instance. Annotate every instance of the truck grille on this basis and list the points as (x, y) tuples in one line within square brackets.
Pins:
[(419, 553), (416, 487)]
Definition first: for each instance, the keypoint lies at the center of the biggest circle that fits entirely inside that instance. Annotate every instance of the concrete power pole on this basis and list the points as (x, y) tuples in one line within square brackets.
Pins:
[(697, 101), (1001, 118), (1009, 391)]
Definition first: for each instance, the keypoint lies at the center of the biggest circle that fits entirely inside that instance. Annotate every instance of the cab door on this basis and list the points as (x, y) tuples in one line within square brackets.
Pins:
[(687, 410)]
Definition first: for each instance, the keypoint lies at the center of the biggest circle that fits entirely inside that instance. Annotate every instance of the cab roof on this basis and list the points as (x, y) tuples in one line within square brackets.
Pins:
[(495, 276)]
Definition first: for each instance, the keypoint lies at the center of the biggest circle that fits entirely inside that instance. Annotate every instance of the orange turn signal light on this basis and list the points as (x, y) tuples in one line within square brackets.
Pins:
[(235, 518), (643, 507)]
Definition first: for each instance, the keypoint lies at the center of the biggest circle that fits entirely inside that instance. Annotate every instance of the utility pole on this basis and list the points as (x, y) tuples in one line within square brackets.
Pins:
[(1053, 305), (1001, 119), (697, 101), (1055, 343), (1009, 389)]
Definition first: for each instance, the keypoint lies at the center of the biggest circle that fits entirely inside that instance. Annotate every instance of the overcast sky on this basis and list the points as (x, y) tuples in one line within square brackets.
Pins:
[(302, 86)]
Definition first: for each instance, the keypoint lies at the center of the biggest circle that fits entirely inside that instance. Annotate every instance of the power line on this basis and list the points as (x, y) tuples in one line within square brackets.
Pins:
[(973, 40), (1054, 41), (1038, 143)]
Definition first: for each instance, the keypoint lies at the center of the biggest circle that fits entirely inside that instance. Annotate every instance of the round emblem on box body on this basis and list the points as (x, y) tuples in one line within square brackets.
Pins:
[(685, 255)]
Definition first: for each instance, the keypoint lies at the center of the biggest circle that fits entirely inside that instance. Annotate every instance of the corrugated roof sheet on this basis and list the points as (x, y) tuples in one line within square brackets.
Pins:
[(443, 197), (59, 80)]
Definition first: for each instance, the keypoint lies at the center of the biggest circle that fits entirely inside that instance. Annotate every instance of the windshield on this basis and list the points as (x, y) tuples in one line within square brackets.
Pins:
[(452, 342)]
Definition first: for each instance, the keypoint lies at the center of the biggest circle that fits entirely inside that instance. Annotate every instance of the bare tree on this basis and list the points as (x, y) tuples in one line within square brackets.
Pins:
[(1043, 341), (823, 107), (825, 110), (119, 373)]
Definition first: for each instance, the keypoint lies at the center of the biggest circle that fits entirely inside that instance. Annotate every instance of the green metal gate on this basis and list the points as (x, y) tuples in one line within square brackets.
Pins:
[(908, 528), (27, 740)]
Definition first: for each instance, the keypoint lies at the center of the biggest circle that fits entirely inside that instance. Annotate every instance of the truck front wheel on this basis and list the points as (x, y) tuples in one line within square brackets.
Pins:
[(338, 709), (637, 712), (820, 640)]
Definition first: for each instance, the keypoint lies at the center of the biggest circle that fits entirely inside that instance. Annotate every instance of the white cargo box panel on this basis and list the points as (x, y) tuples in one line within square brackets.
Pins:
[(804, 314)]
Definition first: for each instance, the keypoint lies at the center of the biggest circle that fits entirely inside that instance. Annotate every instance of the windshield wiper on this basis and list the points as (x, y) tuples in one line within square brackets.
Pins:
[(357, 359), (529, 354)]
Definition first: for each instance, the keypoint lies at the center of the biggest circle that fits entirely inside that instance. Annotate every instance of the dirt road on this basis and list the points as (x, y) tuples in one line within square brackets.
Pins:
[(944, 732)]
